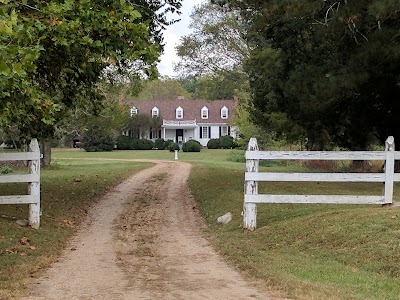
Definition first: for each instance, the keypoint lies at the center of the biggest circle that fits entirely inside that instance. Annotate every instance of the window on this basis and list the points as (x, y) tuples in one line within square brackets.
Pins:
[(224, 130), (179, 113), (204, 132), (134, 111), (155, 112), (204, 112), (224, 112)]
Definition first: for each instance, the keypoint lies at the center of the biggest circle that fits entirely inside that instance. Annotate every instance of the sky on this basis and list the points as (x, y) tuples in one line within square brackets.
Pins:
[(172, 35)]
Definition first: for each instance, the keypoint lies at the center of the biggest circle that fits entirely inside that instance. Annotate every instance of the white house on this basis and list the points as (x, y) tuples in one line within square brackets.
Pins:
[(184, 120)]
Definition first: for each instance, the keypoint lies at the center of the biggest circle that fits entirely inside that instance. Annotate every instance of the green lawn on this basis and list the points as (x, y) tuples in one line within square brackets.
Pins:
[(301, 251)]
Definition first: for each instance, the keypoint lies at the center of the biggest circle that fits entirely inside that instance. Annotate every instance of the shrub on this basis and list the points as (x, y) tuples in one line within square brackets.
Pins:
[(213, 144), (173, 146), (226, 142), (167, 143), (159, 144), (145, 144), (123, 142), (191, 146), (98, 139)]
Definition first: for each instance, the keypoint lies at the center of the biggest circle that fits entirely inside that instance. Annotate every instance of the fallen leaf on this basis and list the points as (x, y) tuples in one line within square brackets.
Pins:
[(24, 241), (32, 247), (22, 254)]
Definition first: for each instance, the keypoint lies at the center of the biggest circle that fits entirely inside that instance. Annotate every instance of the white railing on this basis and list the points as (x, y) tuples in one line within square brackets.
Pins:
[(253, 176), (33, 180), (179, 123)]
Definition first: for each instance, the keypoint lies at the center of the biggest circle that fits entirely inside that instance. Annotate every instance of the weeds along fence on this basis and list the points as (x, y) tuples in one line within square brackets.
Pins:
[(33, 180), (253, 176)]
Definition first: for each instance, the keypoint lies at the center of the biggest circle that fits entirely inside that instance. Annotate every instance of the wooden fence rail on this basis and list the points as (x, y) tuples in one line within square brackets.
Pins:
[(33, 180), (253, 176)]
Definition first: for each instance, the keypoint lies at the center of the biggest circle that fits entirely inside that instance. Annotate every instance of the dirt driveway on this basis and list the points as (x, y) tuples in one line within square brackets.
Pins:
[(144, 241)]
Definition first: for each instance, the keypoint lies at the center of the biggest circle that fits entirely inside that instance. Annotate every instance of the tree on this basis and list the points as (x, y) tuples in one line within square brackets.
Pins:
[(163, 88), (326, 72), (53, 54), (216, 44)]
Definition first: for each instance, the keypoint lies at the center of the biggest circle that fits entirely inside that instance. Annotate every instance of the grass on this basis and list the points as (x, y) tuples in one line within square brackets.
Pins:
[(300, 251), (305, 251), (68, 189)]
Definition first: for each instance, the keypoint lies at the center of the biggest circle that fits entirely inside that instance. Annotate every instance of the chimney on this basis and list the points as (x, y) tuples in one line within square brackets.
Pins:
[(181, 98)]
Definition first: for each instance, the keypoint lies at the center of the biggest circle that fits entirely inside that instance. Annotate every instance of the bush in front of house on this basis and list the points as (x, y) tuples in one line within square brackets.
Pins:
[(159, 144), (97, 139), (191, 146), (173, 146), (226, 142), (213, 144), (130, 143)]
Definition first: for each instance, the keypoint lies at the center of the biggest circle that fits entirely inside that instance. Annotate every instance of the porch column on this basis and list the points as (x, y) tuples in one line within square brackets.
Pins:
[(164, 134)]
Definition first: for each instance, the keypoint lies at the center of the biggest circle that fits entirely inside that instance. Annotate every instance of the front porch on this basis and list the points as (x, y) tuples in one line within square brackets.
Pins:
[(179, 131)]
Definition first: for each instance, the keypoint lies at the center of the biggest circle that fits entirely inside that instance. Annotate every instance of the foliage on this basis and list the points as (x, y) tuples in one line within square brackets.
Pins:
[(130, 143), (223, 142), (191, 146), (216, 43), (159, 144), (6, 169), (52, 54), (325, 73), (173, 147), (163, 88), (98, 139), (213, 144)]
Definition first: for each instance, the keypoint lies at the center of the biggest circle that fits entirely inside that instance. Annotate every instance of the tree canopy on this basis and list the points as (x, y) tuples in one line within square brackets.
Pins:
[(54, 53), (326, 72)]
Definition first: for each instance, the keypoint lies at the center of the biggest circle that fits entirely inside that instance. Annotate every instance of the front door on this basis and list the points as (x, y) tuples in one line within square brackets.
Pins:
[(179, 136)]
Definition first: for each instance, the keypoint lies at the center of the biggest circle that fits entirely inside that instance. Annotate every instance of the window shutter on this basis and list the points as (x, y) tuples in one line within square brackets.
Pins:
[(151, 133), (209, 132), (201, 132), (229, 130), (220, 130)]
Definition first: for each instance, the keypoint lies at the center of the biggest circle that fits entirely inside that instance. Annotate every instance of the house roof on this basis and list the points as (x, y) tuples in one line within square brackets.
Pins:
[(191, 109)]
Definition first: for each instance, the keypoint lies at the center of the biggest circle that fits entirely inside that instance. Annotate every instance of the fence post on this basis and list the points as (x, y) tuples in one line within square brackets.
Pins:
[(251, 188), (389, 169), (34, 187)]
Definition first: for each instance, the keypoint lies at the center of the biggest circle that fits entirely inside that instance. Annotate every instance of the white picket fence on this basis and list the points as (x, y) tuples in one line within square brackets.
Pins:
[(253, 176), (33, 180)]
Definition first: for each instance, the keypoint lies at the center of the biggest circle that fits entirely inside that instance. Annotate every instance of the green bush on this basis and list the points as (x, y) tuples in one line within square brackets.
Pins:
[(226, 142), (6, 169), (130, 143), (159, 144), (167, 143), (98, 139), (173, 146), (213, 144), (191, 146)]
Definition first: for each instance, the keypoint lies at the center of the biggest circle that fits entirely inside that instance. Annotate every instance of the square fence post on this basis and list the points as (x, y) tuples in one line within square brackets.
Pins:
[(250, 188), (389, 170), (34, 187)]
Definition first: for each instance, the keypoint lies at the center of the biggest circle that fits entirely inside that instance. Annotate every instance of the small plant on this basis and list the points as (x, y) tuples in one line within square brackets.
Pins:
[(213, 144), (6, 169)]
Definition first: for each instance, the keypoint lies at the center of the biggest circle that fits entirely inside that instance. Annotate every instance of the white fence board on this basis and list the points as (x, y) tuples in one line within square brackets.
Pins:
[(325, 199), (19, 178), (18, 199), (316, 155), (10, 156), (316, 177)]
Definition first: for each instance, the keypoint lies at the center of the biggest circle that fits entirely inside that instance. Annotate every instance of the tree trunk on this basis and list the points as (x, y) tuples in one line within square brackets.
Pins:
[(45, 150)]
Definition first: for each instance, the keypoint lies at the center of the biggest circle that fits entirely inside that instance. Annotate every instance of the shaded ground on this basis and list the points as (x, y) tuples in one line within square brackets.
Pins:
[(144, 241)]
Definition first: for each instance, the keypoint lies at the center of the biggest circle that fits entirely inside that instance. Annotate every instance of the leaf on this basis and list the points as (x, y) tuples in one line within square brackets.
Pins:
[(24, 241), (4, 69)]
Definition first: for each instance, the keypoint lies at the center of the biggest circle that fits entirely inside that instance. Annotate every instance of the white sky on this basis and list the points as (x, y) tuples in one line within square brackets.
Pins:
[(172, 36)]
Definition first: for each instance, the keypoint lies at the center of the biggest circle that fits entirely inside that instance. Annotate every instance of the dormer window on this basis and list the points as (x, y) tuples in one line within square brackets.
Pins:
[(204, 113), (179, 113), (155, 112), (134, 111), (224, 113)]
